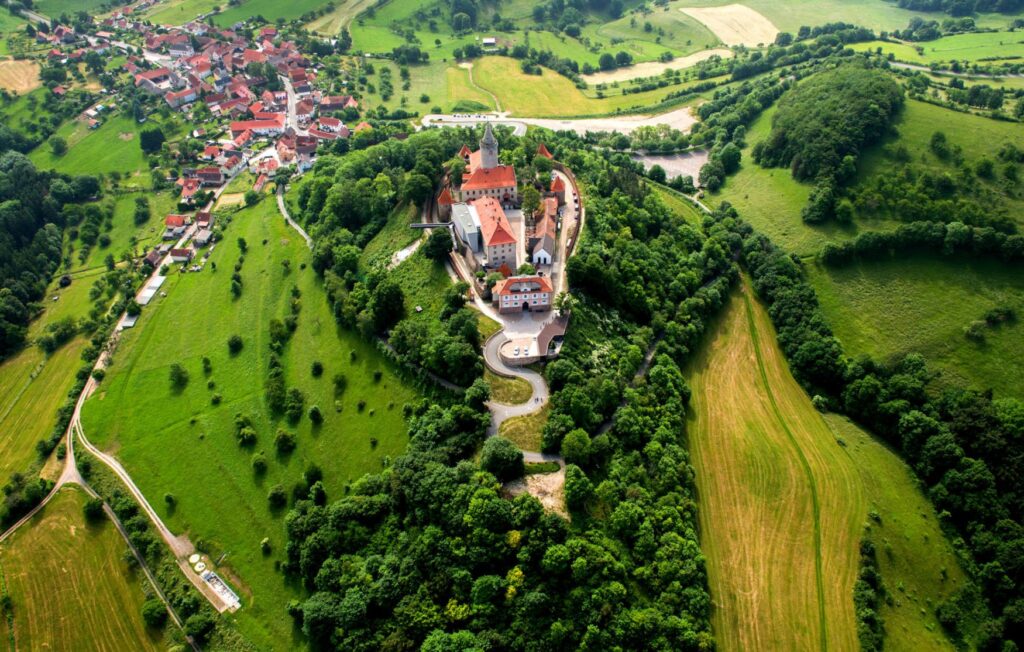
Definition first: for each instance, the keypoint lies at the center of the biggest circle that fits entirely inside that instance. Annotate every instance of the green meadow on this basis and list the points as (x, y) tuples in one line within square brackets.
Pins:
[(111, 147), (922, 304), (957, 47), (54, 8), (269, 9), (182, 443)]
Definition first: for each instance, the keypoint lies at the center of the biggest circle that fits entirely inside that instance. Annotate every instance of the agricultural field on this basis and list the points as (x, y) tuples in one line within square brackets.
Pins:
[(735, 24), (332, 22), (179, 12), (19, 76), (219, 499), (922, 304), (269, 9), (784, 503), (33, 386), (70, 586), (878, 15), (54, 8), (111, 147), (958, 47)]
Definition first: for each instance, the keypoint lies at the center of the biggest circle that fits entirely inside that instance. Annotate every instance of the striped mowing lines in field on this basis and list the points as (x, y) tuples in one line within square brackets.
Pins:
[(781, 504), (70, 586)]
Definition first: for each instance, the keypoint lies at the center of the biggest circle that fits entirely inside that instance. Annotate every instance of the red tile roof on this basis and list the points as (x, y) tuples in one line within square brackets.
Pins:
[(557, 185), (445, 198), (502, 176), (515, 285), (493, 223), (542, 150), (174, 220)]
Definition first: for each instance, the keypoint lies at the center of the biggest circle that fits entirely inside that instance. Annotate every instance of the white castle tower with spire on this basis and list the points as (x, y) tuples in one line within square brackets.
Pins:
[(488, 149)]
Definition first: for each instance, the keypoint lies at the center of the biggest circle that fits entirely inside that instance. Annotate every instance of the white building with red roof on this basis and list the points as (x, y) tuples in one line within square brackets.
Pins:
[(499, 240), (522, 294)]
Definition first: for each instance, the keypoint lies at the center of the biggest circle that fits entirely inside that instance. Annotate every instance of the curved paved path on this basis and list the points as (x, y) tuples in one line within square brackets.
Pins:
[(288, 218), (539, 395)]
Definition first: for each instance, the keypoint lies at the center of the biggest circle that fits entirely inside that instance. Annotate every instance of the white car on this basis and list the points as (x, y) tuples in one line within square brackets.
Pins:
[(516, 352)]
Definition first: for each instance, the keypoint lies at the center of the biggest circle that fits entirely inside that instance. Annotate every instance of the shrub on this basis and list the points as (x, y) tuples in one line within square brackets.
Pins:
[(315, 415), (179, 376), (317, 369), (502, 458), (199, 626), (340, 383), (284, 441), (293, 404), (93, 510), (154, 613), (259, 463), (234, 344), (277, 497)]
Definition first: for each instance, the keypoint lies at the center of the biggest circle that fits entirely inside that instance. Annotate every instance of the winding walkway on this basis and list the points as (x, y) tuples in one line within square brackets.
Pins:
[(288, 218)]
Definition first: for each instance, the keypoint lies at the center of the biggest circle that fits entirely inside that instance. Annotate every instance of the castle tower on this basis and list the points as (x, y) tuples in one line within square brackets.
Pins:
[(488, 149)]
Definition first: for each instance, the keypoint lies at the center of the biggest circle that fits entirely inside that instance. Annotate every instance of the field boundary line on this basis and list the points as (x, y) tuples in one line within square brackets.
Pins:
[(9, 616), (818, 571)]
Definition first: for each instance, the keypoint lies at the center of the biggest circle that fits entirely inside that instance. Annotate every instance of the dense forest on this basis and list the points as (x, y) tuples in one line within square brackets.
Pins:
[(429, 553), (966, 447), (31, 237), (822, 126)]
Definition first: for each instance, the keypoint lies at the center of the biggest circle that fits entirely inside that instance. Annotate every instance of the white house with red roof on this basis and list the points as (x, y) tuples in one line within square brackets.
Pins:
[(499, 241), (522, 294)]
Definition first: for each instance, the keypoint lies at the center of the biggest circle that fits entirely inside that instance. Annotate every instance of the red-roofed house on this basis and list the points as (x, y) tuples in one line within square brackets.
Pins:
[(189, 188), (522, 293), (260, 127), (210, 176), (338, 103), (233, 165), (176, 99), (500, 245), (211, 152), (542, 150)]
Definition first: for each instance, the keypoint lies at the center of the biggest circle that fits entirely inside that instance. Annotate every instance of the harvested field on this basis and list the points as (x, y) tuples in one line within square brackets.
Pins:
[(735, 24), (653, 68), (784, 496), (19, 76), (70, 586), (231, 199), (685, 164)]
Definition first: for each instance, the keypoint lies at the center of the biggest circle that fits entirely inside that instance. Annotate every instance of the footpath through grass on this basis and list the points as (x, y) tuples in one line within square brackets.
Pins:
[(784, 504), (70, 586), (181, 443)]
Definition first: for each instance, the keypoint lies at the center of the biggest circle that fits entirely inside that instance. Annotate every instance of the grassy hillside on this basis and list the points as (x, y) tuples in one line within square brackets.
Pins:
[(784, 503), (111, 147), (70, 586), (958, 47), (922, 304), (183, 444)]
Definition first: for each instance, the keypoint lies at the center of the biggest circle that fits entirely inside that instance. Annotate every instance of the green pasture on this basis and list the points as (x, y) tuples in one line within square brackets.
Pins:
[(125, 235), (179, 12), (111, 147), (921, 304), (54, 8), (181, 443), (269, 9), (972, 47), (341, 16)]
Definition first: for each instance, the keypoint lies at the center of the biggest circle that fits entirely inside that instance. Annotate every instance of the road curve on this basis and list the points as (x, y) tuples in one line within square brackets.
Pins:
[(501, 412)]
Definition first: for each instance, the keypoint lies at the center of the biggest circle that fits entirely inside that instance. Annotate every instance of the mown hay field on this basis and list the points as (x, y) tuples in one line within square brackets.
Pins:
[(70, 586), (784, 498)]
